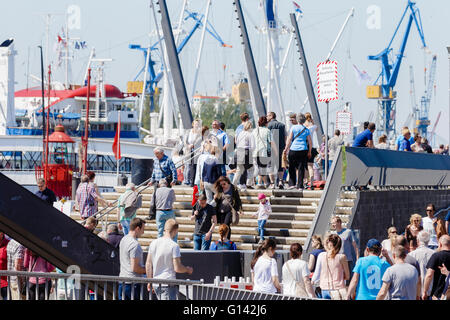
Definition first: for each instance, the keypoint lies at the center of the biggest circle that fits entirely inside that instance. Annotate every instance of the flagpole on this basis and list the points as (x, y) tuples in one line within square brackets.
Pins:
[(118, 153)]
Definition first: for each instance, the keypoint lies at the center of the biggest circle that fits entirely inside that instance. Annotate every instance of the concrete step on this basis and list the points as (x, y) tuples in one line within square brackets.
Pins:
[(343, 210), (345, 202), (348, 194), (112, 196)]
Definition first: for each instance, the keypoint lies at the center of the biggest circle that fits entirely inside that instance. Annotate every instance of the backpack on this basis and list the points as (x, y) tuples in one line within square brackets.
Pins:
[(131, 201)]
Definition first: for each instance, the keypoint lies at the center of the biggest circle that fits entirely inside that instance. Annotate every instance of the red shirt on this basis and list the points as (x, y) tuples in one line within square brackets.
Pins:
[(3, 261)]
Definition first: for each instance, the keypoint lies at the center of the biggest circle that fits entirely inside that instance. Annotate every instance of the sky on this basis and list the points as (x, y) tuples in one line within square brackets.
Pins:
[(110, 26)]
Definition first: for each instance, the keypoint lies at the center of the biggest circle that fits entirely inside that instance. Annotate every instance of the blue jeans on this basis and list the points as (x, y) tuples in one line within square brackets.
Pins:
[(161, 218), (166, 292), (125, 226), (326, 294), (127, 293), (261, 224), (200, 243)]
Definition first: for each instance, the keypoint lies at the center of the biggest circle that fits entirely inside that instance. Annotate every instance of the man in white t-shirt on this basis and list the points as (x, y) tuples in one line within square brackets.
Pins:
[(428, 224), (164, 261)]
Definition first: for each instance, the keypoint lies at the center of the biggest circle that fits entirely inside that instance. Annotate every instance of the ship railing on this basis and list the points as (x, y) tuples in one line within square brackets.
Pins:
[(102, 214)]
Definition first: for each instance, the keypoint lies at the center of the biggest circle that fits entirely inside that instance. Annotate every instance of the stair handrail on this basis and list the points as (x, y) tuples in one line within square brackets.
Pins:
[(193, 154)]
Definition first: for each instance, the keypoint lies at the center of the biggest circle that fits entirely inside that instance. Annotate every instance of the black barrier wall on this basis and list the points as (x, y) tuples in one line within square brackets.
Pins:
[(51, 234), (376, 211)]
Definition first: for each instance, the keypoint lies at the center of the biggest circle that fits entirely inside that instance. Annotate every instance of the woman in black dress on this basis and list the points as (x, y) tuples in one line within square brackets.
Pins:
[(227, 200)]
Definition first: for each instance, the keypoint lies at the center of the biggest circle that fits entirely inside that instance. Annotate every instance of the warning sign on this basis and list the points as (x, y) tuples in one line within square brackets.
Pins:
[(344, 122), (327, 81)]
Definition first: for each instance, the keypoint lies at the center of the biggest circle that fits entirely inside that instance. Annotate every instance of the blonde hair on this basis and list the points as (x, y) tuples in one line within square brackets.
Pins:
[(415, 216), (309, 117), (405, 131), (247, 126)]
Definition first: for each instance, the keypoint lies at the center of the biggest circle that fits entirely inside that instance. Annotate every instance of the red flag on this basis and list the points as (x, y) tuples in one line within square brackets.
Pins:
[(116, 143)]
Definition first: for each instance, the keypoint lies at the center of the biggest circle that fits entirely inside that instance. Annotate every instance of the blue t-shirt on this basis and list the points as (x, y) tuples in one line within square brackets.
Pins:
[(447, 217), (400, 138), (300, 143), (404, 145), (238, 130), (371, 270), (219, 245), (362, 138)]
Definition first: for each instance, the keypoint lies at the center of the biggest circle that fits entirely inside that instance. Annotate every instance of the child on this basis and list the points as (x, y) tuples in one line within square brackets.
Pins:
[(263, 213)]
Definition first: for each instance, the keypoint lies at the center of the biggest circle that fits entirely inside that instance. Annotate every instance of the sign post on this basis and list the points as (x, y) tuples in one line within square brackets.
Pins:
[(327, 90)]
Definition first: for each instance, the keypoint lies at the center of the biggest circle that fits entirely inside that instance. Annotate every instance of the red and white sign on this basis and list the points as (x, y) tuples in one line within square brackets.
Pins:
[(344, 122), (327, 81)]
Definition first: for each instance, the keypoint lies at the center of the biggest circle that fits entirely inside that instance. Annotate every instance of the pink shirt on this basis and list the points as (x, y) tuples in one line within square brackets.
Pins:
[(40, 265), (331, 276)]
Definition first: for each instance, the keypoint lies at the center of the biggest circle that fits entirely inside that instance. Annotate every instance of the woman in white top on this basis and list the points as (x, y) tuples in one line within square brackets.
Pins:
[(309, 123), (261, 154), (245, 144), (417, 145), (382, 144), (192, 142), (264, 268), (295, 275), (389, 243)]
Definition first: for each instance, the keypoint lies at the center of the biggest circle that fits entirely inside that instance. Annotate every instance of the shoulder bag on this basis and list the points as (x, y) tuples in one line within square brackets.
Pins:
[(299, 288), (336, 294), (152, 211)]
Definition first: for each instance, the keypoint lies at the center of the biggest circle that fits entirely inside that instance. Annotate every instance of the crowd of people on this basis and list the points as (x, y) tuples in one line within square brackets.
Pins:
[(413, 265)]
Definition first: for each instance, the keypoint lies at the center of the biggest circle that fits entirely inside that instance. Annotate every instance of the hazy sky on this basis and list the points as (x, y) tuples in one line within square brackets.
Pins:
[(110, 26)]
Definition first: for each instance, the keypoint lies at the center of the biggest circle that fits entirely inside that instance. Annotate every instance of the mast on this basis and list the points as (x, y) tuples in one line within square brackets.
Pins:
[(44, 151), (86, 125)]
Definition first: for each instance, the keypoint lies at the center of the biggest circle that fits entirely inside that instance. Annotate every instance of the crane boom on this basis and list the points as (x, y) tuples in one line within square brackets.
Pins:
[(389, 71)]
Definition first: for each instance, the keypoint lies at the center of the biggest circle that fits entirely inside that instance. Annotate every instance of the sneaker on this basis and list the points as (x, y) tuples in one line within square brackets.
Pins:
[(291, 187), (271, 186), (280, 186), (250, 187), (260, 241), (260, 186)]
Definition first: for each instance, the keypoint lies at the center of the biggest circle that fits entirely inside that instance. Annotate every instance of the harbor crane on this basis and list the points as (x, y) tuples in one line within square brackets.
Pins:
[(384, 92), (422, 117)]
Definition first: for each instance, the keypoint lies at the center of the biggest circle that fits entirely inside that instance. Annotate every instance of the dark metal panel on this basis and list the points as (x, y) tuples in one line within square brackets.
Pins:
[(250, 62), (51, 234), (175, 68), (307, 77)]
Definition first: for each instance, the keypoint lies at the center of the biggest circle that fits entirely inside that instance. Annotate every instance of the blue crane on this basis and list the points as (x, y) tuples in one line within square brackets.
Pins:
[(389, 72), (152, 82), (423, 120)]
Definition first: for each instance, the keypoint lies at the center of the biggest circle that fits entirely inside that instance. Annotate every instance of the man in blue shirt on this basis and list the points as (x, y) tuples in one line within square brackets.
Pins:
[(401, 137), (368, 273), (365, 138), (244, 118), (163, 168), (405, 144)]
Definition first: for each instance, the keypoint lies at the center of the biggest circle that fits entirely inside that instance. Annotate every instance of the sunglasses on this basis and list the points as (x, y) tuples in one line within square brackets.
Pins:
[(430, 210), (393, 231)]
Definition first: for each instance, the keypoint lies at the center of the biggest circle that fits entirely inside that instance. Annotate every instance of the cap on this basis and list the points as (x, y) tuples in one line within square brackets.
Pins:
[(373, 242), (261, 196)]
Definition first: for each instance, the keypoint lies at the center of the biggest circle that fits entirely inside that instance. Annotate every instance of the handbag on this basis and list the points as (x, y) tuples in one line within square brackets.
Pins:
[(299, 289), (152, 210), (336, 294), (234, 217)]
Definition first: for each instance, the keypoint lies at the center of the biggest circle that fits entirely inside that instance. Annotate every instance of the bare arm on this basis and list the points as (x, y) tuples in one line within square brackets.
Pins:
[(427, 283), (211, 230), (180, 268), (149, 266), (356, 249), (135, 267), (383, 291), (419, 288), (344, 263), (288, 142), (311, 262), (276, 283), (309, 287), (351, 292)]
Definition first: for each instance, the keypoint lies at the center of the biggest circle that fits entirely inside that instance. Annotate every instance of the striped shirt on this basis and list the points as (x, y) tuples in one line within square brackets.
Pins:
[(86, 199), (167, 166), (15, 251)]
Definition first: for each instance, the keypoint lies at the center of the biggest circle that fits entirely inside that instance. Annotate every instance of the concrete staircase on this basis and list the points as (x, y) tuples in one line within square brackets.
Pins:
[(290, 221)]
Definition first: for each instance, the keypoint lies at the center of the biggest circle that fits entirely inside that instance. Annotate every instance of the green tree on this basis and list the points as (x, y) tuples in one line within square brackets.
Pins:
[(225, 111)]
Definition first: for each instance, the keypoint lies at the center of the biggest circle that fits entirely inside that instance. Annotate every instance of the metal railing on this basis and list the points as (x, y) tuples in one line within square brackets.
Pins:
[(67, 286), (70, 286), (144, 185)]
